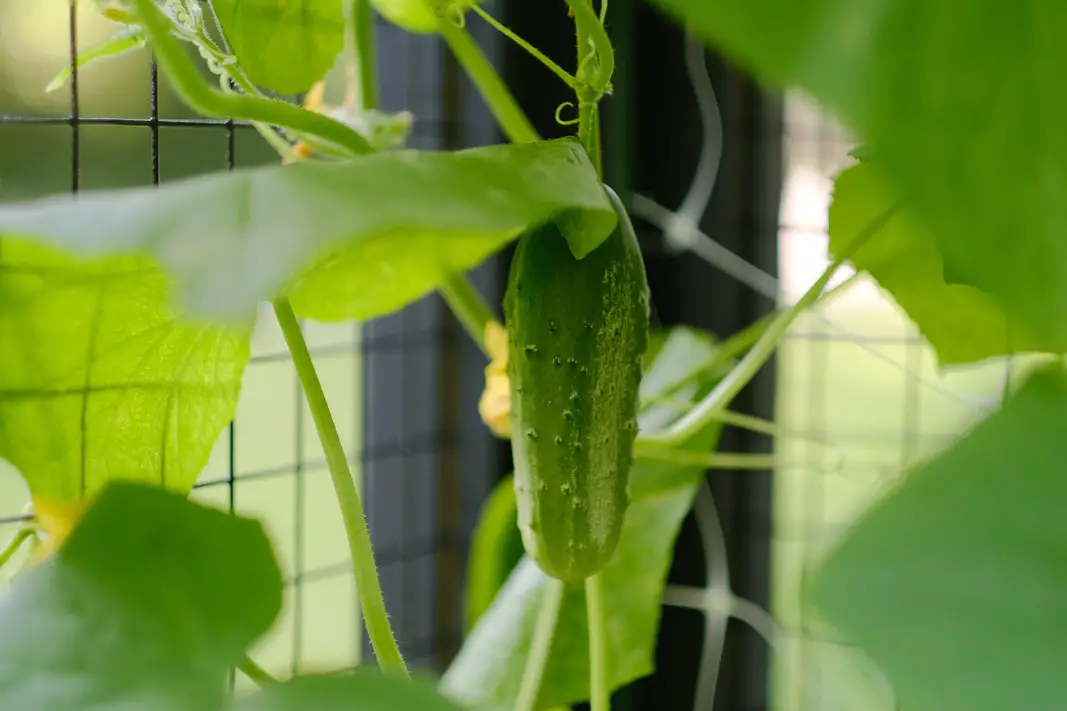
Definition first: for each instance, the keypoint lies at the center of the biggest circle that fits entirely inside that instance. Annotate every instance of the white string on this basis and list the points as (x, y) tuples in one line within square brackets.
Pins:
[(717, 601)]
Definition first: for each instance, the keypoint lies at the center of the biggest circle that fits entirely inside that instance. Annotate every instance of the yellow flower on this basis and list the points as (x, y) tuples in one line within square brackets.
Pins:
[(313, 101), (495, 403)]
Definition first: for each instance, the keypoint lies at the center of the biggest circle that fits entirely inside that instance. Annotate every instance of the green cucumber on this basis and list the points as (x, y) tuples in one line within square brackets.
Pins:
[(577, 332)]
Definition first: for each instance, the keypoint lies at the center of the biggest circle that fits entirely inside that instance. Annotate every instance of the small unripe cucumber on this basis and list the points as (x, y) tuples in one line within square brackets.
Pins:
[(577, 332)]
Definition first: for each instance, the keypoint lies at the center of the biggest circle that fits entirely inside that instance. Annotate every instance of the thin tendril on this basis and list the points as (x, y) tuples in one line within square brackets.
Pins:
[(456, 16), (559, 114), (536, 53)]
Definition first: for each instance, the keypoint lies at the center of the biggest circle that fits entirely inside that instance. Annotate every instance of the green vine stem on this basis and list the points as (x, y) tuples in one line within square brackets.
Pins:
[(359, 543), (589, 133), (468, 306), (728, 388), (599, 680), (540, 646), (591, 35), (211, 102), (17, 541), (363, 37), (502, 103)]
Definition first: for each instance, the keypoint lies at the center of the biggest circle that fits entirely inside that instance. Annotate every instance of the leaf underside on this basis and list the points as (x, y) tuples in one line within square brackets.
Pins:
[(349, 240), (99, 380)]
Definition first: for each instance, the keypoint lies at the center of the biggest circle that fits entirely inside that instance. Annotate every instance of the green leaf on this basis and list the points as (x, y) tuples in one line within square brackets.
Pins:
[(954, 583), (125, 40), (283, 45), (349, 240), (98, 378), (964, 109), (496, 548), (489, 667), (962, 323), (146, 606), (366, 690)]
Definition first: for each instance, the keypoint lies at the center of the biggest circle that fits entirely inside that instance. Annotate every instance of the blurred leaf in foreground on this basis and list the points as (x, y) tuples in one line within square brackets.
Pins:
[(954, 583), (146, 606)]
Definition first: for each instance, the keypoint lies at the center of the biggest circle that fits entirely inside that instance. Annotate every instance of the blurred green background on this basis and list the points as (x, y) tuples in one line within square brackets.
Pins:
[(870, 387)]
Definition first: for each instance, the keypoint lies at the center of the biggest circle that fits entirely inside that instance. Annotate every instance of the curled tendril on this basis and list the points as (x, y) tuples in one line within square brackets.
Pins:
[(454, 13), (559, 114)]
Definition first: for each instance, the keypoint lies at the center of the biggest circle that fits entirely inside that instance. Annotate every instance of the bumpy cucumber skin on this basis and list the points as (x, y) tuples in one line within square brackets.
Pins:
[(577, 333)]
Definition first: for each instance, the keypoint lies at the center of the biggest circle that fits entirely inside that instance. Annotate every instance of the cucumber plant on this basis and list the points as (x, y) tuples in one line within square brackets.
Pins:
[(137, 598)]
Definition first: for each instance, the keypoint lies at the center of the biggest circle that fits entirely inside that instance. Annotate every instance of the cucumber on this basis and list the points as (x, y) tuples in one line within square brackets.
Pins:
[(577, 332)]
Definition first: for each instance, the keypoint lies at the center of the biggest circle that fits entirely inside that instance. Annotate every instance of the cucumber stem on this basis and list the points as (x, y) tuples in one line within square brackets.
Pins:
[(514, 122), (599, 682), (540, 645), (720, 398), (367, 584), (468, 306)]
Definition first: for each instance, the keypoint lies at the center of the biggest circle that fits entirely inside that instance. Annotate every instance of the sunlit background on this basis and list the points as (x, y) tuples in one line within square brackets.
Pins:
[(855, 374)]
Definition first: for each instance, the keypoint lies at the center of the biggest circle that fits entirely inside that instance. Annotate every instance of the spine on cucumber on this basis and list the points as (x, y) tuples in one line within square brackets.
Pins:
[(577, 332)]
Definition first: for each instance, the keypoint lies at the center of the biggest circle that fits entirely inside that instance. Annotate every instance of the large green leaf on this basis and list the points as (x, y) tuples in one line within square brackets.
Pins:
[(146, 606), (283, 45), (954, 583), (98, 378), (381, 231), (963, 324), (489, 667), (366, 690), (963, 104)]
